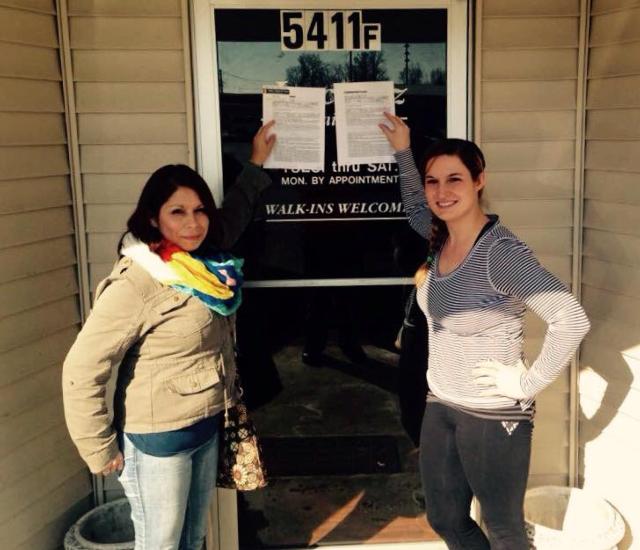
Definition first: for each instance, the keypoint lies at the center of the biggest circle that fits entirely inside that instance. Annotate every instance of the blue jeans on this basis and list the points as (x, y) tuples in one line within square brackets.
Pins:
[(170, 495), (462, 456)]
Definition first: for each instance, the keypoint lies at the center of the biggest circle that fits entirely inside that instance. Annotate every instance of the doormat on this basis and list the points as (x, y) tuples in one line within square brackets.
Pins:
[(334, 455)]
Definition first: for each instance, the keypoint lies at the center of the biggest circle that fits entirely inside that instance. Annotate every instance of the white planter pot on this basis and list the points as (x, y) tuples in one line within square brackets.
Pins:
[(566, 518)]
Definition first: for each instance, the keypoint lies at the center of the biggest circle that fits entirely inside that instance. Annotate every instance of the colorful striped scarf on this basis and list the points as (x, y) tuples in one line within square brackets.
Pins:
[(215, 279)]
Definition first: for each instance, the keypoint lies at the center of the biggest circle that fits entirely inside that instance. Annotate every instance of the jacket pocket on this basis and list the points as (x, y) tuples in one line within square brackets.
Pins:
[(179, 314), (194, 382)]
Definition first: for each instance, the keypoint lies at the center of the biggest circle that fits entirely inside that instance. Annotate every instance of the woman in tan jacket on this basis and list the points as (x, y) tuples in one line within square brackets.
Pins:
[(164, 319)]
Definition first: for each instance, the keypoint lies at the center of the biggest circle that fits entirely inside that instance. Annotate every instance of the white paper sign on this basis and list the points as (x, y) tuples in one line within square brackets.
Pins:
[(360, 107), (299, 127)]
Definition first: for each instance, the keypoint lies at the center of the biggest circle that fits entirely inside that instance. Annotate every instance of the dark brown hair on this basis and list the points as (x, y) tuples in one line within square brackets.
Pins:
[(471, 156), (163, 183)]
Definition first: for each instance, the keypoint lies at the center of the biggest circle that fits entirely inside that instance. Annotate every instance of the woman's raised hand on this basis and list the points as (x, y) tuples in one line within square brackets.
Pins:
[(262, 144), (397, 134)]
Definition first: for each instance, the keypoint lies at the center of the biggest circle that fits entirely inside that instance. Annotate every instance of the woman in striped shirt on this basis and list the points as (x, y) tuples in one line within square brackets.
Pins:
[(474, 290)]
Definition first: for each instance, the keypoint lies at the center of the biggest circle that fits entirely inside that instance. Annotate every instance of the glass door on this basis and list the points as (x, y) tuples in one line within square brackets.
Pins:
[(329, 259)]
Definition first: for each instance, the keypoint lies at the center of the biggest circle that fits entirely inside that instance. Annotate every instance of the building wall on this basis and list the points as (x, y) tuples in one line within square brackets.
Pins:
[(133, 112), (132, 102), (43, 483), (527, 98), (131, 77), (610, 358), (133, 105)]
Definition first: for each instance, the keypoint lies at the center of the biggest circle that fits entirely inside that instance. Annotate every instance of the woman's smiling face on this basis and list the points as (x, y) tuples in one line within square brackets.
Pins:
[(183, 220), (450, 190)]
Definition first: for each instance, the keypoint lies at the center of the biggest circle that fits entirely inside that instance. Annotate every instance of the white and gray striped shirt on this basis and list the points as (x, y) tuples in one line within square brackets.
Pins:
[(476, 312)]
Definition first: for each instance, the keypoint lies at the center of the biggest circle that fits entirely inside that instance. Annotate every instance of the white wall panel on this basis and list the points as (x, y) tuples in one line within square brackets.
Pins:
[(28, 27), (601, 6), (530, 32), (540, 184), (614, 60), (612, 247), (607, 185), (601, 274), (549, 95), (128, 66), (28, 194), (130, 97), (23, 361), (619, 124), (122, 159), (114, 188), (139, 8), (44, 6), (534, 156), (527, 127), (503, 8), (125, 33), (35, 96), (611, 216), (39, 315), (111, 128), (533, 213), (613, 93), (617, 26), (512, 64), (25, 61), (32, 129), (609, 392), (31, 259)]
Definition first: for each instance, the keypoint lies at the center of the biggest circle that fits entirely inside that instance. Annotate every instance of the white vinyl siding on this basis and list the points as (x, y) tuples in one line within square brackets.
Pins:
[(610, 359), (132, 101), (44, 485), (527, 120), (128, 63), (133, 111)]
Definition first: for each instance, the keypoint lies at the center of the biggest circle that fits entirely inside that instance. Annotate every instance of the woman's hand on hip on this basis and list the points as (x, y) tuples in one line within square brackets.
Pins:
[(262, 144), (115, 465), (398, 133), (497, 379)]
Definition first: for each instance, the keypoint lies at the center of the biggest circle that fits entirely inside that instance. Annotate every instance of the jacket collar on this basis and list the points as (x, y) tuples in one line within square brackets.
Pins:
[(140, 253)]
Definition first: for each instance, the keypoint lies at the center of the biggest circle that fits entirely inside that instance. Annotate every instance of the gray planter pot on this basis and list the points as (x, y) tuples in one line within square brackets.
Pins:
[(107, 527)]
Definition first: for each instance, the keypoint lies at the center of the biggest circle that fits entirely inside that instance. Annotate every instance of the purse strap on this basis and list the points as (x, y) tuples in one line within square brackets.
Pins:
[(225, 394)]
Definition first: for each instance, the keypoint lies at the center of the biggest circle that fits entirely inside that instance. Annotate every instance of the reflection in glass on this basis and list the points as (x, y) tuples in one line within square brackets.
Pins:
[(341, 222), (319, 362)]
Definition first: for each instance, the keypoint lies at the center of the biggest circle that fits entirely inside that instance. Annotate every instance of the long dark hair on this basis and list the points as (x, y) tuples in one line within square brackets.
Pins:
[(472, 157), (163, 183)]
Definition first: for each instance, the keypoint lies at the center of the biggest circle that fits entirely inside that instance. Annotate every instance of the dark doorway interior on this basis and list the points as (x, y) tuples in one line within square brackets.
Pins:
[(342, 469)]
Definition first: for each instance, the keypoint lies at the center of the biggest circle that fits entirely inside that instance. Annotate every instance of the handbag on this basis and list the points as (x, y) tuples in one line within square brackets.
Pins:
[(412, 368), (240, 463)]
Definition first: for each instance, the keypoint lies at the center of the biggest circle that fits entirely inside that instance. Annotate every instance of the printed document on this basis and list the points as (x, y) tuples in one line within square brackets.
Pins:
[(360, 108), (299, 127)]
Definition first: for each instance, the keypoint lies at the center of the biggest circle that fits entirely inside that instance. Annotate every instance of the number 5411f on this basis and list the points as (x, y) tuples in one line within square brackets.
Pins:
[(327, 31)]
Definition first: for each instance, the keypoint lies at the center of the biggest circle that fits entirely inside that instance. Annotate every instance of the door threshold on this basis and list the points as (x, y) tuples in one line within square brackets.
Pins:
[(428, 545)]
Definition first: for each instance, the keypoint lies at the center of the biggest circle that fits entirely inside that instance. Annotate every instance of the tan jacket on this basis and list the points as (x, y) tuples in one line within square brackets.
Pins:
[(175, 357)]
